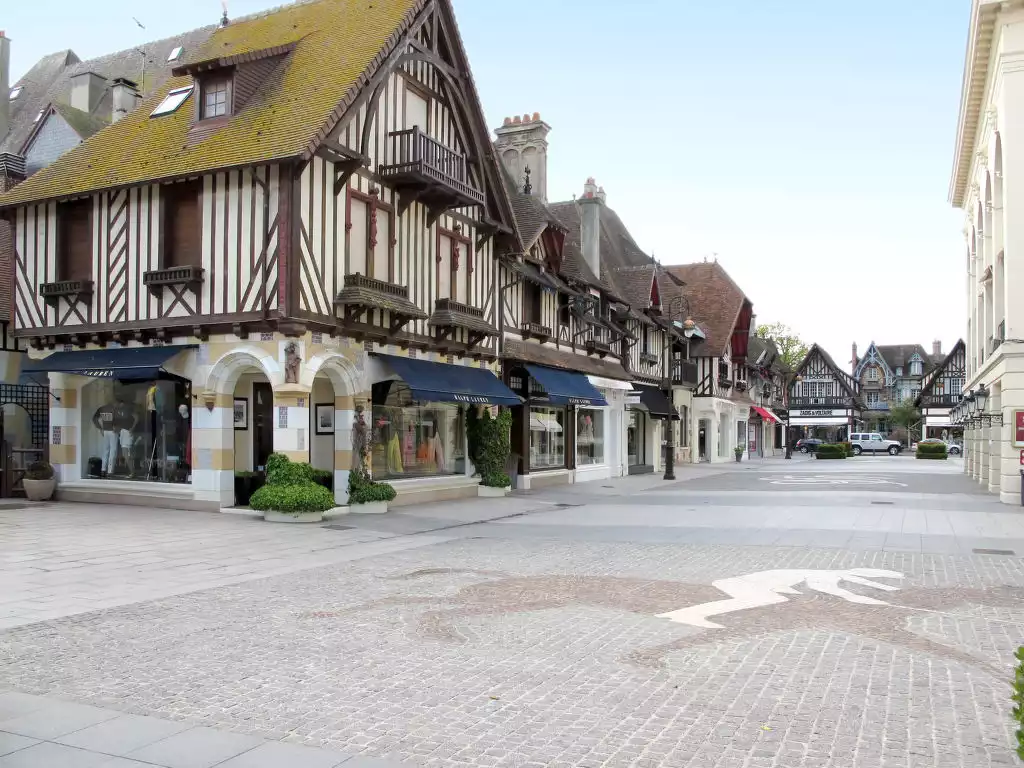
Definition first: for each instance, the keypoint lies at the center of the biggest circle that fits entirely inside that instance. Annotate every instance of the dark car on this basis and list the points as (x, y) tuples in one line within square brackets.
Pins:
[(808, 444)]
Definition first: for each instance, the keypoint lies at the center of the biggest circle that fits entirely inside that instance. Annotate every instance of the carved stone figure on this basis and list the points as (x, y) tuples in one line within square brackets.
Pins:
[(360, 441), (291, 363)]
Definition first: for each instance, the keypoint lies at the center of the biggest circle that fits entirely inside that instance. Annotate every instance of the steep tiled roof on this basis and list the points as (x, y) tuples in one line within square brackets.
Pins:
[(898, 355), (536, 353), (715, 300), (531, 215), (82, 123), (36, 85), (333, 43), (635, 284)]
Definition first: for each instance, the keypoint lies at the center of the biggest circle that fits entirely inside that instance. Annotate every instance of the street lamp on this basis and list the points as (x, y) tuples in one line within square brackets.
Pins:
[(789, 443), (689, 328)]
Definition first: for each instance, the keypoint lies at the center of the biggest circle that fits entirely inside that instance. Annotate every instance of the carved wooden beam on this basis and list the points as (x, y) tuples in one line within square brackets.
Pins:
[(434, 212), (201, 332), (343, 173), (406, 198), (238, 329), (485, 231)]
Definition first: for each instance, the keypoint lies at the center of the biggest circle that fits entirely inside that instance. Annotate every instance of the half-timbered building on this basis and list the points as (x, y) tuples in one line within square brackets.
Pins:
[(891, 374), (721, 400), (941, 391), (766, 386), (824, 399), (297, 232)]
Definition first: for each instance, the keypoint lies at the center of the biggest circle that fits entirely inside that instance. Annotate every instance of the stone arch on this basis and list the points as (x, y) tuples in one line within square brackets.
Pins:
[(342, 372), (224, 374)]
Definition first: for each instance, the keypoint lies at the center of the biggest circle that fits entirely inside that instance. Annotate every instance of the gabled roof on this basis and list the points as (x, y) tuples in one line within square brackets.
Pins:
[(899, 355), (292, 110), (926, 384), (715, 300), (845, 379), (36, 85), (532, 217)]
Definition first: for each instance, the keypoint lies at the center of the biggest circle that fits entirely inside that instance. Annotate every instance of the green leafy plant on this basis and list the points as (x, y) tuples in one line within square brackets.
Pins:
[(1018, 700), (290, 488), (490, 445), (831, 451), (39, 470), (244, 473), (363, 490), (848, 447), (931, 451)]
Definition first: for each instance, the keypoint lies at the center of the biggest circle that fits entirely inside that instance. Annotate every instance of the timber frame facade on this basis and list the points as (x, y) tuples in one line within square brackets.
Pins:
[(942, 391), (823, 397)]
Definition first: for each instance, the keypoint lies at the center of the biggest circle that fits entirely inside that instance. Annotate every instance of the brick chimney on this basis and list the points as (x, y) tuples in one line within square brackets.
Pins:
[(5, 85), (590, 224), (936, 348), (87, 90), (522, 143), (125, 96)]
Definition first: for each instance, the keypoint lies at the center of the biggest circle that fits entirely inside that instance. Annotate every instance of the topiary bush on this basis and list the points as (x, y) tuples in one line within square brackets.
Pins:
[(829, 451), (848, 447), (490, 445), (931, 451), (1018, 700), (290, 488), (363, 490)]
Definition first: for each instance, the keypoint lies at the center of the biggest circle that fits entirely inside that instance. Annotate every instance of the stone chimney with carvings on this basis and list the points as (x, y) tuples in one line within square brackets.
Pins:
[(522, 143), (590, 224)]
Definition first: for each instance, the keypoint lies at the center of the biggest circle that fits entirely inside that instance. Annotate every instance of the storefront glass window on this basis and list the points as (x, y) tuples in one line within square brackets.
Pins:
[(635, 437), (418, 440), (547, 437), (589, 436), (137, 430)]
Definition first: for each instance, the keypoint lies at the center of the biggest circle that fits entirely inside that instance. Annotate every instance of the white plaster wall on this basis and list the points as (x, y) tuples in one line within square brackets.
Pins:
[(321, 447)]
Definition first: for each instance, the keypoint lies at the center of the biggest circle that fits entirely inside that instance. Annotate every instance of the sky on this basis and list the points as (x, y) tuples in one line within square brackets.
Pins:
[(805, 145)]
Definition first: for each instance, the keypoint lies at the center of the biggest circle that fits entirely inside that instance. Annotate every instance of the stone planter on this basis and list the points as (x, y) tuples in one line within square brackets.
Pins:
[(489, 492), (369, 508), (39, 490), (739, 457), (272, 516)]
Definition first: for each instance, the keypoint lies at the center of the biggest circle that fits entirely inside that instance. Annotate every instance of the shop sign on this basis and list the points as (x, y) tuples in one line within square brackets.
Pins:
[(818, 412), (470, 399), (1018, 429), (580, 401), (96, 373), (632, 399)]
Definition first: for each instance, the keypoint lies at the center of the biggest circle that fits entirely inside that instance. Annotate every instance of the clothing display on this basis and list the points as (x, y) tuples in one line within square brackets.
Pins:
[(394, 456), (109, 455)]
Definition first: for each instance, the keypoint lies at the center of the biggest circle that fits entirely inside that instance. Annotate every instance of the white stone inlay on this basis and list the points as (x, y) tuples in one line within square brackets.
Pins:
[(755, 590)]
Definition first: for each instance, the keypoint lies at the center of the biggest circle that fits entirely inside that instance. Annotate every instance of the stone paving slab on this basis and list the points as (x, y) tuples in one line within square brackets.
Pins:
[(478, 652), (123, 741)]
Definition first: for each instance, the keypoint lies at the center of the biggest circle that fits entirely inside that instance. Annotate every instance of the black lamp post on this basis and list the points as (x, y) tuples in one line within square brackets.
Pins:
[(689, 326), (789, 443)]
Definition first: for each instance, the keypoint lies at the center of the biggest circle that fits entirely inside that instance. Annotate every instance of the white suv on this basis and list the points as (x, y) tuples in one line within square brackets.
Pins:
[(872, 442)]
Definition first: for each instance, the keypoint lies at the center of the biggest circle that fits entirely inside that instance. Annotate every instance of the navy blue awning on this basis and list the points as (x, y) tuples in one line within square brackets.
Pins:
[(120, 363), (566, 387), (441, 382)]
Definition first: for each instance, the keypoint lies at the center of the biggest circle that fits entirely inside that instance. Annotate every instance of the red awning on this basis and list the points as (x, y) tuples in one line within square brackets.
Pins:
[(765, 414)]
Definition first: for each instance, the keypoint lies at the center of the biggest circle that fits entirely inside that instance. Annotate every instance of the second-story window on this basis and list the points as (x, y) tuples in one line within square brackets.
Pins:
[(532, 297), (74, 246), (645, 341), (915, 368), (215, 92), (182, 226), (563, 309)]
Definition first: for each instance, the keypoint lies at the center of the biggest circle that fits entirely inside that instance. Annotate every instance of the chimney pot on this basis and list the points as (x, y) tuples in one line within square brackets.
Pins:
[(517, 120), (125, 96), (526, 117), (507, 121), (536, 116)]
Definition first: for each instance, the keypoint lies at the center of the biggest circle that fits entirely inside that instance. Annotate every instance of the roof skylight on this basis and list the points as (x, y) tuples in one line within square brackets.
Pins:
[(174, 54), (15, 92), (174, 99), (41, 111)]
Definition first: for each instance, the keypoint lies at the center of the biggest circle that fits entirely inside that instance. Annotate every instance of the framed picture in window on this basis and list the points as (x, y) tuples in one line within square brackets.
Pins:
[(324, 415), (240, 413)]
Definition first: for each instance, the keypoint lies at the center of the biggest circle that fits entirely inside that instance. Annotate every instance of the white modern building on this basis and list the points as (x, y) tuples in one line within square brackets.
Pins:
[(988, 166)]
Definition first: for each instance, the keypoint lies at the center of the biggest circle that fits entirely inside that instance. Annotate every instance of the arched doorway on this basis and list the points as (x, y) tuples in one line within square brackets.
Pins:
[(335, 384)]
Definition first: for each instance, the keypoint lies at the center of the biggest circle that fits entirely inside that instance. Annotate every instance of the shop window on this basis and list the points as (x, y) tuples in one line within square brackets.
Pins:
[(182, 224), (74, 246), (684, 427), (589, 436), (635, 436), (137, 430), (547, 437), (415, 439)]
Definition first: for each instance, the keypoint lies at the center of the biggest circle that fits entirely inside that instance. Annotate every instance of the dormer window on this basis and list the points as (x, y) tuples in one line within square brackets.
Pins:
[(216, 96)]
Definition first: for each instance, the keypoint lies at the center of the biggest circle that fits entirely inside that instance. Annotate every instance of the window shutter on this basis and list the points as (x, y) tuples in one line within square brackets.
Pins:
[(183, 225), (75, 246)]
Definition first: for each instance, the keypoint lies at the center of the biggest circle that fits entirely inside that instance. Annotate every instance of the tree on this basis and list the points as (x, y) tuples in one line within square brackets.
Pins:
[(906, 416), (791, 348)]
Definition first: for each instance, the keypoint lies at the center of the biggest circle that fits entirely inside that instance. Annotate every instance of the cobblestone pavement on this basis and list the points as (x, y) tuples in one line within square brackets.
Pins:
[(539, 651)]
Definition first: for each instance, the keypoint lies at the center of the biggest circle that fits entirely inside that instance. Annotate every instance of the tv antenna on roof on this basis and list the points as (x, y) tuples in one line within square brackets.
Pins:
[(224, 13), (138, 23)]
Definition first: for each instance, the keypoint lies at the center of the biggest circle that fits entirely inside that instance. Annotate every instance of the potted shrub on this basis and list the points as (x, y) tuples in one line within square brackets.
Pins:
[(366, 496), (324, 477), (738, 450), (39, 481), (290, 495), (490, 446)]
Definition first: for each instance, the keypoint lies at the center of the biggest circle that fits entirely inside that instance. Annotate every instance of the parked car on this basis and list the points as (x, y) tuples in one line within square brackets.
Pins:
[(873, 442), (808, 444), (951, 448)]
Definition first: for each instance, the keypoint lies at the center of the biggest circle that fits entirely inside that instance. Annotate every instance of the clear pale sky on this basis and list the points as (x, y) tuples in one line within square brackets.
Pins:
[(807, 144)]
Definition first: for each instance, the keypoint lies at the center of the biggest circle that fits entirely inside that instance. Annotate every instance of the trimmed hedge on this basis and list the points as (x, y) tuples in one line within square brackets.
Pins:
[(931, 451), (362, 490), (1018, 700), (848, 447), (827, 451), (490, 445), (290, 488)]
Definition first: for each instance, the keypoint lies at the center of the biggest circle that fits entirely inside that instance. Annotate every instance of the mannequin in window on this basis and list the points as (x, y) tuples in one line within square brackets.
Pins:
[(154, 409), (114, 420)]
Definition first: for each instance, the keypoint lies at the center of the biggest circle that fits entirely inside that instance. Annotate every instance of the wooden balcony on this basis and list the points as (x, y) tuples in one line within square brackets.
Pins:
[(648, 358), (536, 330), (940, 401), (422, 168), (821, 402), (598, 347), (156, 279), (684, 373)]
